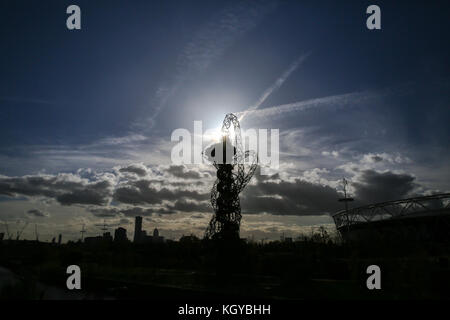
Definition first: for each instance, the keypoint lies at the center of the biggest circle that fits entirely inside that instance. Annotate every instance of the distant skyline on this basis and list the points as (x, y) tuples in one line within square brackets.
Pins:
[(86, 115)]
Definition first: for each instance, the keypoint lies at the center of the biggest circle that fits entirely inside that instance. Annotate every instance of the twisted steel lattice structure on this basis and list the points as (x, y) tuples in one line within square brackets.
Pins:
[(231, 180)]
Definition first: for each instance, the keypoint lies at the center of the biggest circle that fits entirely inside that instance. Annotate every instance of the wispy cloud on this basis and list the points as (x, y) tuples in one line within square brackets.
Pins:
[(208, 45), (334, 100), (276, 85), (339, 100)]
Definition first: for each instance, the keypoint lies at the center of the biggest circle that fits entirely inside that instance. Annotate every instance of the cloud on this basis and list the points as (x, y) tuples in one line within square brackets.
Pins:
[(208, 44), (138, 168), (334, 154), (313, 194), (136, 189), (299, 197), (127, 139), (165, 189), (221, 32), (112, 212), (38, 213), (66, 188), (138, 211), (350, 99), (371, 158), (276, 85), (143, 192), (373, 186), (190, 206), (340, 100), (182, 172), (105, 212), (125, 221), (95, 193)]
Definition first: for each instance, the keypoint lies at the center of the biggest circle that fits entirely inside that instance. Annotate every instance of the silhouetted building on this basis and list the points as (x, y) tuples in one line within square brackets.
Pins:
[(156, 237), (93, 240), (59, 238), (140, 236), (99, 239), (2, 235), (137, 229), (424, 218), (120, 235), (189, 239), (107, 237)]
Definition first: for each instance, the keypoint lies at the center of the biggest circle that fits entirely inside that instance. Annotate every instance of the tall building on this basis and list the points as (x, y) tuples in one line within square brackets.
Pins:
[(140, 236), (107, 237), (59, 238), (156, 237), (137, 229), (120, 235)]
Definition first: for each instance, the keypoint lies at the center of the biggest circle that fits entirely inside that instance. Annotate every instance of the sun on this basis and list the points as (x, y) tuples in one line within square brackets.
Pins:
[(213, 135)]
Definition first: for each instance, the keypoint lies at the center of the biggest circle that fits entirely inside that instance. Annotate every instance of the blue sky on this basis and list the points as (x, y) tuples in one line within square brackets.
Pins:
[(76, 107)]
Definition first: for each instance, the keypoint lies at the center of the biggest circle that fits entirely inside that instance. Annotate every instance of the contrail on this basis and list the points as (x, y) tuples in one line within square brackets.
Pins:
[(339, 100), (335, 100), (208, 45), (276, 85)]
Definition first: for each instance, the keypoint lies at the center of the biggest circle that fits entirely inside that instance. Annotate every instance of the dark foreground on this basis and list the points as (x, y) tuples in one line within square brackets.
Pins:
[(194, 270)]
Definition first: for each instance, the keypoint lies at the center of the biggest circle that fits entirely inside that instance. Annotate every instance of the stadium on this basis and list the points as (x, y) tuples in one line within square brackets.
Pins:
[(424, 218)]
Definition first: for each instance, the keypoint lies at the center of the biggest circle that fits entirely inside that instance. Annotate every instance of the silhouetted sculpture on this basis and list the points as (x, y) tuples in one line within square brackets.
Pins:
[(230, 182)]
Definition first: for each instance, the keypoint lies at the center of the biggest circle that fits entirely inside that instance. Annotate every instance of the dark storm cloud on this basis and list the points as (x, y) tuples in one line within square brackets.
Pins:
[(98, 188), (138, 211), (183, 172), (67, 189), (377, 187), (176, 184), (305, 198), (377, 158), (289, 198), (110, 212), (142, 192), (190, 206), (269, 194), (96, 194), (138, 169), (184, 184), (105, 212), (125, 221), (38, 213)]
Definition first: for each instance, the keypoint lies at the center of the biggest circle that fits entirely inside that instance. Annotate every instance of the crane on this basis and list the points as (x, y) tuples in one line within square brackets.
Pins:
[(36, 232), (19, 232), (83, 230), (7, 230), (345, 199), (104, 228)]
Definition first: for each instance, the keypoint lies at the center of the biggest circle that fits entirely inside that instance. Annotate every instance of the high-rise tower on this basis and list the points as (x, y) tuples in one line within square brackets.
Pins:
[(138, 229)]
